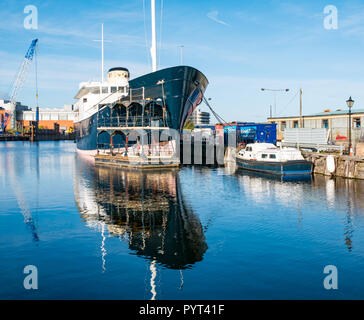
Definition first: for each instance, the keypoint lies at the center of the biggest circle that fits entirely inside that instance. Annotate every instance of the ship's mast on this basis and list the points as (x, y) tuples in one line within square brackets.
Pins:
[(102, 51), (153, 49)]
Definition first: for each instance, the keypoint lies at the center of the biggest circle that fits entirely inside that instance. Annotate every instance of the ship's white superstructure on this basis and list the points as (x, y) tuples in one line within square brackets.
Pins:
[(93, 93)]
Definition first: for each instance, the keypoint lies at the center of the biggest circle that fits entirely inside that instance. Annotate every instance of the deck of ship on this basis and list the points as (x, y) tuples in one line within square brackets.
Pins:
[(133, 161)]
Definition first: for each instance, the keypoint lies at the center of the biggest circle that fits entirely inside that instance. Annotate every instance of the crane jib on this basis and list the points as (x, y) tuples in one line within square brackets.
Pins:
[(30, 53), (19, 81)]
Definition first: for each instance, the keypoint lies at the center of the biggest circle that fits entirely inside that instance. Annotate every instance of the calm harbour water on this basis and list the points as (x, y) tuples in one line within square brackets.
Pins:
[(192, 233)]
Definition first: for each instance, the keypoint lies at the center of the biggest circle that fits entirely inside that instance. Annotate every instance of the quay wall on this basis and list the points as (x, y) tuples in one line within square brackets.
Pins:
[(40, 137), (345, 166), (6, 137)]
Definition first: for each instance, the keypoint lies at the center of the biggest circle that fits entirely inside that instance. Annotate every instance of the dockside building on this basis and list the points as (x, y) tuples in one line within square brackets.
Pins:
[(336, 122)]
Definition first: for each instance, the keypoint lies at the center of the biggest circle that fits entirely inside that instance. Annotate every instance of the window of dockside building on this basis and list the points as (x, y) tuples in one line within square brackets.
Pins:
[(325, 123), (357, 123), (283, 125)]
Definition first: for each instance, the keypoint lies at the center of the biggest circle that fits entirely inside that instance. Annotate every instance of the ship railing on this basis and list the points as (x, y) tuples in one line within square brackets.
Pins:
[(136, 121), (137, 94), (106, 148), (149, 151)]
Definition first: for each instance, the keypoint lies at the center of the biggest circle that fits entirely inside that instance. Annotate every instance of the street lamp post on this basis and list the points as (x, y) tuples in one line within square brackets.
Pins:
[(350, 103), (275, 97)]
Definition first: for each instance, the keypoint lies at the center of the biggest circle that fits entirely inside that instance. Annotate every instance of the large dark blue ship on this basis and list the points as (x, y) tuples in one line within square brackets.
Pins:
[(164, 98)]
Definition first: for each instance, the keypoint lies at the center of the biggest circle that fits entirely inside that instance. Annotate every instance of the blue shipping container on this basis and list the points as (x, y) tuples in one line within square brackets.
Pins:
[(252, 132)]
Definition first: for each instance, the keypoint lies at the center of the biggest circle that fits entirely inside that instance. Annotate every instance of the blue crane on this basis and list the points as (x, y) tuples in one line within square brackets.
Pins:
[(19, 81)]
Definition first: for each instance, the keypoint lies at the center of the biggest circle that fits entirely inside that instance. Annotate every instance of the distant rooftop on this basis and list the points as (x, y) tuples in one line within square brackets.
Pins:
[(338, 112), (326, 112)]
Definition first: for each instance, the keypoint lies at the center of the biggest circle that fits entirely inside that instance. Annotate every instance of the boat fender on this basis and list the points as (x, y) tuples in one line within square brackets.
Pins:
[(330, 164)]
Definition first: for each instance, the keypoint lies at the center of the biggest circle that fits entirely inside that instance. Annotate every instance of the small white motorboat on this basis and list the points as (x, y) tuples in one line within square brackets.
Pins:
[(266, 157)]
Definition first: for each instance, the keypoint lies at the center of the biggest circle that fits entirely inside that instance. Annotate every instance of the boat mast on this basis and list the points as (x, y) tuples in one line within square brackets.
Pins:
[(102, 52), (301, 119), (153, 49)]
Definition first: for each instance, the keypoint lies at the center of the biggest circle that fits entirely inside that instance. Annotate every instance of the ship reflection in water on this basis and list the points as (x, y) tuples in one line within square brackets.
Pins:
[(145, 209), (193, 233)]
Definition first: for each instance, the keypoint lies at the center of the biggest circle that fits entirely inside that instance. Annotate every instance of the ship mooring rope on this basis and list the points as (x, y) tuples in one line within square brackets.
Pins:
[(218, 118)]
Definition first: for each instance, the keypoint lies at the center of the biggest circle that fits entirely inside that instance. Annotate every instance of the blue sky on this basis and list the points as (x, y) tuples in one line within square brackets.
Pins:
[(241, 46)]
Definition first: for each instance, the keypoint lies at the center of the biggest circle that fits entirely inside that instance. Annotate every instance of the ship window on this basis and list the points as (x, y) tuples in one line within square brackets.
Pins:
[(295, 124), (84, 100), (95, 90), (120, 89), (325, 123), (113, 89), (264, 156), (272, 156), (105, 90), (283, 125)]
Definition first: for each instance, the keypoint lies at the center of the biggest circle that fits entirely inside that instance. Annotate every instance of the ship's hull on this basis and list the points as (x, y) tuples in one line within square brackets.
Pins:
[(294, 167), (183, 89)]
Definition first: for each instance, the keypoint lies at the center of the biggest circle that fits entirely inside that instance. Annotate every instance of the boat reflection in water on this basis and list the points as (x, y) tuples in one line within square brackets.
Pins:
[(146, 209), (346, 195), (338, 194)]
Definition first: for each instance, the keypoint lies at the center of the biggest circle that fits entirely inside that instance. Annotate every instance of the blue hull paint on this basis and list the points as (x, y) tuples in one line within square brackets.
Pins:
[(183, 89), (86, 133), (296, 167)]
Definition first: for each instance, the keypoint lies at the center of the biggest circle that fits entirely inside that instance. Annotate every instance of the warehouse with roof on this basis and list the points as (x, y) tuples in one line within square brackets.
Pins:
[(336, 122)]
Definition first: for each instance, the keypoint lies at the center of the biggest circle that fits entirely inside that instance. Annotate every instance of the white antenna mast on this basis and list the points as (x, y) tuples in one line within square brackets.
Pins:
[(153, 49), (102, 51)]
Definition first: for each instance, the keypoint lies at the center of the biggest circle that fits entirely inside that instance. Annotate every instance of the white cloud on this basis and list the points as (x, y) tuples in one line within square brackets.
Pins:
[(213, 16)]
